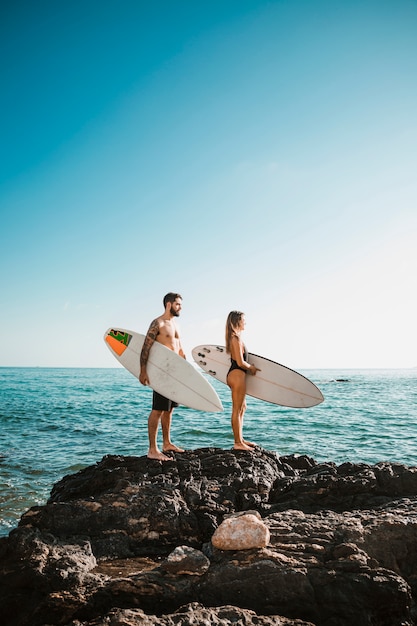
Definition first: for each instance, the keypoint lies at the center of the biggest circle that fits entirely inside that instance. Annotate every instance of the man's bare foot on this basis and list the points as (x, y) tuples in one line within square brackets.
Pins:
[(241, 446), (250, 443), (158, 456), (173, 448)]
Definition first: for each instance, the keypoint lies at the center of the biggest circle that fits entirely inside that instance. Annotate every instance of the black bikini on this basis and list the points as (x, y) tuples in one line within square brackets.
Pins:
[(235, 366)]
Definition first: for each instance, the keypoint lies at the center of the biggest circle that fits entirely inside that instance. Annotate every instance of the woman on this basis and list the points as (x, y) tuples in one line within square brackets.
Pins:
[(236, 376)]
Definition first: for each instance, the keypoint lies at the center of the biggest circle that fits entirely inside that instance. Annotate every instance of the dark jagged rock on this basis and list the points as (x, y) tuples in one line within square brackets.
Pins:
[(195, 614), (128, 541)]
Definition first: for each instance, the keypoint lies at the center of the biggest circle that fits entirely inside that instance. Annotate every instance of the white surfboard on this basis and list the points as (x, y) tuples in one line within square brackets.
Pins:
[(169, 374), (274, 383)]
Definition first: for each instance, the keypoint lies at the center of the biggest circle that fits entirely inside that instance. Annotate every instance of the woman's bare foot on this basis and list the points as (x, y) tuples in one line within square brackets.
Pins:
[(250, 443), (173, 448), (242, 446), (157, 455)]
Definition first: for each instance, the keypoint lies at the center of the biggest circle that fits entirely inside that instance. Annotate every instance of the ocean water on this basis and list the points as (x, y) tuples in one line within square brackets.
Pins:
[(55, 422)]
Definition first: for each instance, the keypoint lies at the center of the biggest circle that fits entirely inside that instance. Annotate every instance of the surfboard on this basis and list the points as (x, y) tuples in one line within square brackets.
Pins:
[(169, 374), (274, 382)]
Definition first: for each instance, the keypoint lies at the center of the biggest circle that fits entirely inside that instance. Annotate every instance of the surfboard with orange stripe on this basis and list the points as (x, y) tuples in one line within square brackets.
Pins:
[(169, 374)]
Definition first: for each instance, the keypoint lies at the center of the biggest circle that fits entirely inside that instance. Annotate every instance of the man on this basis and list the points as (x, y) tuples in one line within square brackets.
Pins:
[(164, 330)]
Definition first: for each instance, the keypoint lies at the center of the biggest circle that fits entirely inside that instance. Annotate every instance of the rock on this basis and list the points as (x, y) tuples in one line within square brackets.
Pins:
[(241, 532), (186, 560), (129, 541), (195, 614)]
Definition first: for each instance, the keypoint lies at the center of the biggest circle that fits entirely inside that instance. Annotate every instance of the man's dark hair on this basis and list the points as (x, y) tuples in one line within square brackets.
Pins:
[(171, 297)]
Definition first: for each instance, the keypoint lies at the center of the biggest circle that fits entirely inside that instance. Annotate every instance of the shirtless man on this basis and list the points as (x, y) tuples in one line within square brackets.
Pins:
[(164, 330)]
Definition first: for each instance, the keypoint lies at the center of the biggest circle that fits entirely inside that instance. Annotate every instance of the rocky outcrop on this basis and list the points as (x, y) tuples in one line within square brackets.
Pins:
[(128, 541)]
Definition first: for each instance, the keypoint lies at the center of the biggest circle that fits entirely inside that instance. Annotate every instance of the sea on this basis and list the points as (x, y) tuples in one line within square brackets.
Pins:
[(54, 422)]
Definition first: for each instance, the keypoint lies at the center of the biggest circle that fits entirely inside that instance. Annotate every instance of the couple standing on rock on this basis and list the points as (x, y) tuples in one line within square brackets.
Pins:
[(164, 330)]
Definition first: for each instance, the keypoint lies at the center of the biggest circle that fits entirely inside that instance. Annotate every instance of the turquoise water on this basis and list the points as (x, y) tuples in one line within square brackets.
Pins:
[(56, 421)]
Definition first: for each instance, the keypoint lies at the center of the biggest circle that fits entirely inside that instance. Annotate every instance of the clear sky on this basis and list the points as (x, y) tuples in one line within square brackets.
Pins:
[(249, 154)]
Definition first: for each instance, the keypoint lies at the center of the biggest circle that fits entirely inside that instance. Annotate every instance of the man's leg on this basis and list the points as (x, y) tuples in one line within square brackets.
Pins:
[(153, 423), (167, 445)]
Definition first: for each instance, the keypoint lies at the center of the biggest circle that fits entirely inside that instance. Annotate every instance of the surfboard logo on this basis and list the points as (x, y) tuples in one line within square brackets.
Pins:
[(118, 340)]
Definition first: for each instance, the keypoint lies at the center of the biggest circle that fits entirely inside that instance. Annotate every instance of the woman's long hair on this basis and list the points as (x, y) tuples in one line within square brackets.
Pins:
[(232, 323)]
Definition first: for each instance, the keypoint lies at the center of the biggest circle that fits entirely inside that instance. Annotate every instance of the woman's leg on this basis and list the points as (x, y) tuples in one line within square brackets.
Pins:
[(237, 383)]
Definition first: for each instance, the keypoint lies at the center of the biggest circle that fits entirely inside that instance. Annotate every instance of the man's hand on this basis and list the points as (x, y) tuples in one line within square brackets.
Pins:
[(143, 377)]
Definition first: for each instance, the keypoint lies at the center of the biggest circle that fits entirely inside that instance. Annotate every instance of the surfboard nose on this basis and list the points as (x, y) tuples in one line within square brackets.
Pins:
[(117, 340)]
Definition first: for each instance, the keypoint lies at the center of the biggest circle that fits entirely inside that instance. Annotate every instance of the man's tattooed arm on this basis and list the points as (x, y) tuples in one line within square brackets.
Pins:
[(151, 335)]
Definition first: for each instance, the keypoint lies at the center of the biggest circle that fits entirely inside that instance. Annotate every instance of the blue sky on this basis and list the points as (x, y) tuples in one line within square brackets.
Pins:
[(248, 154)]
